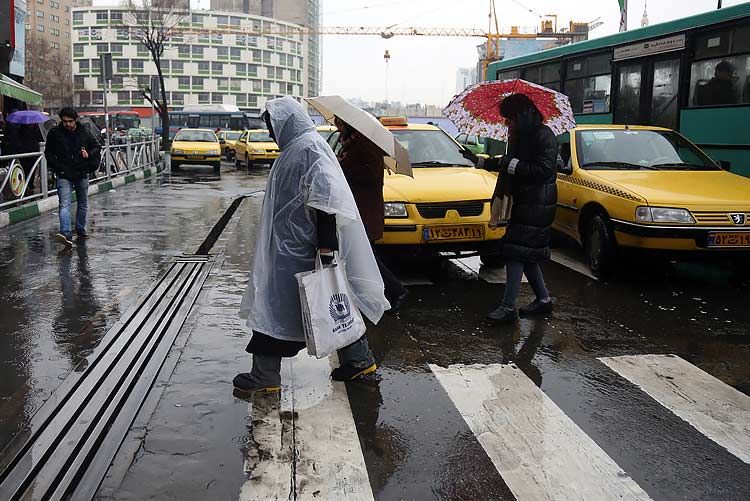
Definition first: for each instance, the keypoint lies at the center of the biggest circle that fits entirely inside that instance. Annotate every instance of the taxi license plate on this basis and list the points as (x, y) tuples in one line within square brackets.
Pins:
[(729, 239), (195, 157), (463, 232)]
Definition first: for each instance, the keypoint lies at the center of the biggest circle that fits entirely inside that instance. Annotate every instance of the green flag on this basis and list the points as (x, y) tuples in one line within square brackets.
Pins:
[(623, 14)]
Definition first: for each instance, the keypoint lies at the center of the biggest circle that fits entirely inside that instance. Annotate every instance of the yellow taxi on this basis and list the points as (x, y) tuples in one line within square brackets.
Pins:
[(446, 206), (626, 188), (325, 131), (227, 140), (255, 147), (196, 147)]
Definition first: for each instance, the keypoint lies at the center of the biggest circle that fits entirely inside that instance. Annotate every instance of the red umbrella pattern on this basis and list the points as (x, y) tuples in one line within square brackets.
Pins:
[(476, 110)]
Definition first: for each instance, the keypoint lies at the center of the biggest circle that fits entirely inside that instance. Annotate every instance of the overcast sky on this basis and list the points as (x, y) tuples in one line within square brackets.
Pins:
[(424, 69)]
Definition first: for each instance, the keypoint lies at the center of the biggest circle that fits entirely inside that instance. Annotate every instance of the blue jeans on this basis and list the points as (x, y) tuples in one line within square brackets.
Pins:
[(65, 189), (514, 273)]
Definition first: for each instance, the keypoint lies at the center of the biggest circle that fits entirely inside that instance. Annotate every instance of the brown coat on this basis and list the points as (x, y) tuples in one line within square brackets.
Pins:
[(363, 166)]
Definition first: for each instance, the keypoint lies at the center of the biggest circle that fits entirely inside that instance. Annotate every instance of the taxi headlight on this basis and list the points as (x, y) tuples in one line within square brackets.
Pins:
[(663, 215), (395, 209), (259, 152), (178, 152), (213, 152)]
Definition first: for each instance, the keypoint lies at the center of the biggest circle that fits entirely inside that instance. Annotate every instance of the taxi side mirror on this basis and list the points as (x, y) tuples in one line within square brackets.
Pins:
[(566, 169)]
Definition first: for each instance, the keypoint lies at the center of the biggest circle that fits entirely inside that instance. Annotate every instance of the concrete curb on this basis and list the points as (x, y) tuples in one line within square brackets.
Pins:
[(34, 209)]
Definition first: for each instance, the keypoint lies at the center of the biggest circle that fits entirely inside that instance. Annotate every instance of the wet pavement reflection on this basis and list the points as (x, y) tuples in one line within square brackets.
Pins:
[(56, 304)]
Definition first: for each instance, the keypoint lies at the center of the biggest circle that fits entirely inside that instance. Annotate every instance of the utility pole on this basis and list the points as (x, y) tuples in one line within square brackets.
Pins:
[(105, 66), (719, 6), (387, 58)]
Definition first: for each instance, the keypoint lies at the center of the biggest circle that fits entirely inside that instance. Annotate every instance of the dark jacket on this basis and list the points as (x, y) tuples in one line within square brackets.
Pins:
[(63, 152), (363, 166), (534, 189)]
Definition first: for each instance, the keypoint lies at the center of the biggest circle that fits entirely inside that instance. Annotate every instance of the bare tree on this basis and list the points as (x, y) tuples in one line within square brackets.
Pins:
[(48, 72), (154, 23)]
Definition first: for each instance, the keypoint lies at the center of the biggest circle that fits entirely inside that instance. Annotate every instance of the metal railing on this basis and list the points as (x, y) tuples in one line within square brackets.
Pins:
[(16, 171)]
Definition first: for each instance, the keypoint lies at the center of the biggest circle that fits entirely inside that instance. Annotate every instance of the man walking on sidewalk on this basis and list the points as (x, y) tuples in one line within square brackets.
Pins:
[(72, 154)]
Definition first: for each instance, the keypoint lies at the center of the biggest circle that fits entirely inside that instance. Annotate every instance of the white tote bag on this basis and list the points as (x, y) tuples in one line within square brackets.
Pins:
[(330, 318)]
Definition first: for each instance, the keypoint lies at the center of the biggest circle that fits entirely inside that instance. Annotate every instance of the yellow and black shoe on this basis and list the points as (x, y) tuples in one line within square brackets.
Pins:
[(246, 385), (350, 373)]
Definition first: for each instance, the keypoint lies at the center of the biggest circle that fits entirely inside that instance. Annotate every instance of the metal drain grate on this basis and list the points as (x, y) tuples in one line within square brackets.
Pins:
[(66, 449)]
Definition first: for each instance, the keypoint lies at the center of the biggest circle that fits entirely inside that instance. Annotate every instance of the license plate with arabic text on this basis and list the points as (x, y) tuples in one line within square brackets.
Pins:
[(734, 239), (461, 232)]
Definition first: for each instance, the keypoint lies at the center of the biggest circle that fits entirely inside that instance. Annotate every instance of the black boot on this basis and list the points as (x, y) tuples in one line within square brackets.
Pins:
[(537, 308), (502, 315)]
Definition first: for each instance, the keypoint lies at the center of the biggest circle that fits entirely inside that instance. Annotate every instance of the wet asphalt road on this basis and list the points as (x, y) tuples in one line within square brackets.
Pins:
[(55, 307)]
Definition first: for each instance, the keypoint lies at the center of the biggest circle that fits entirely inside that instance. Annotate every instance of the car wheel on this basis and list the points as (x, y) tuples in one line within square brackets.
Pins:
[(237, 162), (217, 167), (600, 245), (248, 163), (175, 166), (227, 154)]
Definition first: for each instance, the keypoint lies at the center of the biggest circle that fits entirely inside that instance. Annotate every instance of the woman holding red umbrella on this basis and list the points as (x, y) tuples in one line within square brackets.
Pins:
[(528, 175)]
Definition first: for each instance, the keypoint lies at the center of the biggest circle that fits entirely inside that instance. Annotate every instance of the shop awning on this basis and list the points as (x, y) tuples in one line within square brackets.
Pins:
[(11, 88)]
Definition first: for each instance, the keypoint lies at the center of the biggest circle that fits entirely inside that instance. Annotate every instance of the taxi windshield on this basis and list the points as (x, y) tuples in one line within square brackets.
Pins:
[(233, 136), (199, 136), (260, 137), (431, 148), (639, 150)]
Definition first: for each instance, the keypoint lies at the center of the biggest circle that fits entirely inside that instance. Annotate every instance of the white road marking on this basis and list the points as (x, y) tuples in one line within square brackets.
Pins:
[(714, 408), (572, 261), (329, 463), (489, 275), (539, 452)]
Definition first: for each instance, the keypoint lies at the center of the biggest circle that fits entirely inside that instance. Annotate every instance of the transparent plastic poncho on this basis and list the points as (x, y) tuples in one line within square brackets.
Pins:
[(306, 176)]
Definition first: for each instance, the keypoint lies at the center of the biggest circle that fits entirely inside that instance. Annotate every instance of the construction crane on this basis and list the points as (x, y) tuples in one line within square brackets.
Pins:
[(493, 36)]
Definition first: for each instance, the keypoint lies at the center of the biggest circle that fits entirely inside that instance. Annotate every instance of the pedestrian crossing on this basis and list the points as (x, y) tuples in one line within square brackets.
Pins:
[(537, 449)]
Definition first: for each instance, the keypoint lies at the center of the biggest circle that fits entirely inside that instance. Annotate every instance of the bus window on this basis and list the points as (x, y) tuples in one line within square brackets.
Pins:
[(724, 79), (215, 121), (588, 83), (508, 75), (194, 121), (204, 121)]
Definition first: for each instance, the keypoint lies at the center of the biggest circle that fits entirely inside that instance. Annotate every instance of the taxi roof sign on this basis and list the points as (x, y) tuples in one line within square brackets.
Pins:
[(391, 121)]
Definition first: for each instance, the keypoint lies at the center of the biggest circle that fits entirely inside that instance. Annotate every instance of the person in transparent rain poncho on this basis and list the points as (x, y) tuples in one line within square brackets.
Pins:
[(308, 208)]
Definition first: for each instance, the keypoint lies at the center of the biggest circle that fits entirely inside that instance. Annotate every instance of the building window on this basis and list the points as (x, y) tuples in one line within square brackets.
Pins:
[(123, 34), (266, 57), (240, 69), (95, 65), (78, 82), (102, 17), (101, 48), (67, 34), (222, 51), (123, 66), (123, 97), (235, 84), (178, 66), (235, 52), (67, 22), (235, 21), (266, 87), (252, 70), (222, 83), (55, 32), (217, 68), (222, 20), (84, 66), (55, 45), (204, 66), (137, 65), (178, 98), (40, 28), (241, 100), (217, 98), (183, 82), (197, 51), (54, 18), (40, 14), (116, 17), (77, 17), (198, 82), (116, 49), (256, 86), (204, 98), (257, 55), (198, 19), (40, 2), (183, 51)]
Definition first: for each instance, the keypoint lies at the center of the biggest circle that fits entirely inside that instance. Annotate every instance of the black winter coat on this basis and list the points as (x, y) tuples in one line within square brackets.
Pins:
[(63, 152), (534, 190)]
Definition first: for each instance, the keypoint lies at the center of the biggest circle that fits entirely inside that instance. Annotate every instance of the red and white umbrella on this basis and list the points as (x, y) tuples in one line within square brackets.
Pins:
[(476, 110)]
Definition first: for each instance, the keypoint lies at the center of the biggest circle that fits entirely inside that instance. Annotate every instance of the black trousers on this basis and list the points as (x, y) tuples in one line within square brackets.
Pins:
[(394, 289)]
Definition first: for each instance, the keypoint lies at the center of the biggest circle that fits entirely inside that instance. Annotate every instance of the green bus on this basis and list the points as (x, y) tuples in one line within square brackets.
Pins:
[(691, 75)]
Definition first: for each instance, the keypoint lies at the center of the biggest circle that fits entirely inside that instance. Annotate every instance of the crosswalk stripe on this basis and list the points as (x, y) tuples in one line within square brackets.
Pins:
[(540, 452), (310, 437), (571, 262), (714, 408), (489, 275)]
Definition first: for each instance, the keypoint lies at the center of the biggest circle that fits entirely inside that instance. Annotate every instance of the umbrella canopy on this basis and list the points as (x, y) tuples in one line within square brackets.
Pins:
[(27, 117), (476, 110), (367, 125)]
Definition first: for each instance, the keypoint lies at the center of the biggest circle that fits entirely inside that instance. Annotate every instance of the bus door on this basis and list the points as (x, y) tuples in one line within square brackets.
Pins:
[(647, 92), (194, 121)]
